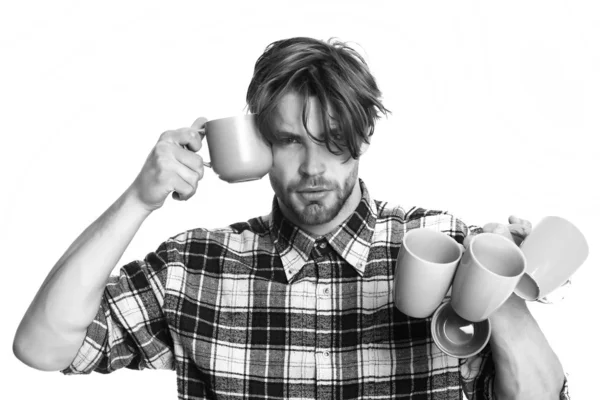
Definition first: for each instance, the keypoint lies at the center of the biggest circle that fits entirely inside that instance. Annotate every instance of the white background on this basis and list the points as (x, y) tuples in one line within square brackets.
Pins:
[(495, 112)]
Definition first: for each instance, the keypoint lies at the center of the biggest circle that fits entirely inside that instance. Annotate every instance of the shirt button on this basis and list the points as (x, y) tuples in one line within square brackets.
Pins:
[(322, 245), (326, 291), (326, 353)]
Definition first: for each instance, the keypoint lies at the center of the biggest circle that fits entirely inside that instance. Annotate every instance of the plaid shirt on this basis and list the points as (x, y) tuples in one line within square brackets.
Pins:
[(264, 310)]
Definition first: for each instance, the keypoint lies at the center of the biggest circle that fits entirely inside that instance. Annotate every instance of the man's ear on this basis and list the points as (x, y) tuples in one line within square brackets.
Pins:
[(363, 148)]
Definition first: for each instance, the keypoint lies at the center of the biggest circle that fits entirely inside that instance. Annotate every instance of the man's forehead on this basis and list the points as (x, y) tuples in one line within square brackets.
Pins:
[(289, 113)]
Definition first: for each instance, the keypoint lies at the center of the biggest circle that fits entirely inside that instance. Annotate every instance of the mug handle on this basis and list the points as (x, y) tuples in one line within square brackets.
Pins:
[(202, 132)]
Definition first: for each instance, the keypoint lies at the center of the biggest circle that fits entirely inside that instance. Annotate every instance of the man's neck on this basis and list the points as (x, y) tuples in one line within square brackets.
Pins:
[(323, 229)]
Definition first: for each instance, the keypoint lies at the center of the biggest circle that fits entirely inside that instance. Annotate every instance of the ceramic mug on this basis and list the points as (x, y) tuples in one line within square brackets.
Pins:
[(456, 336), (425, 266), (238, 152), (554, 250), (487, 275)]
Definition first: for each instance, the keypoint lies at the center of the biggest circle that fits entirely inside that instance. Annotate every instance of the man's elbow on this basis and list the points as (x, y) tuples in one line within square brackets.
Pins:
[(35, 357)]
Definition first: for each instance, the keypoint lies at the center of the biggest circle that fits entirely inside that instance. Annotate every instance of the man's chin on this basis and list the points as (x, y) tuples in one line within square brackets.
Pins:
[(315, 213)]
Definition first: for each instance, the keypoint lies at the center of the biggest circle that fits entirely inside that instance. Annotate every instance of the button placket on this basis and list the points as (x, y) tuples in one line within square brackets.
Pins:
[(324, 292), (324, 365)]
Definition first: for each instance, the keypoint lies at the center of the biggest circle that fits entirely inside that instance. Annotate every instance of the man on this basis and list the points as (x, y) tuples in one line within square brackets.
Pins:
[(296, 304)]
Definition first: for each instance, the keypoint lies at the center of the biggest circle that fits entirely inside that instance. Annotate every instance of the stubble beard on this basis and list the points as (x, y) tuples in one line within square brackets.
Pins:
[(315, 212)]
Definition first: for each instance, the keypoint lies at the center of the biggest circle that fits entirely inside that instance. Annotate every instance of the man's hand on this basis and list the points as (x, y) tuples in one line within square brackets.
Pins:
[(171, 167), (517, 230)]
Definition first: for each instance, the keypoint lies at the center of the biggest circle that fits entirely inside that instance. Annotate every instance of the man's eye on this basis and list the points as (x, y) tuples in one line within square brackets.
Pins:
[(289, 140), (337, 138)]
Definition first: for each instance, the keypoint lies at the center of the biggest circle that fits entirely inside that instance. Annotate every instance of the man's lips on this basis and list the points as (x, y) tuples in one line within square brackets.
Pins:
[(313, 189), (313, 193)]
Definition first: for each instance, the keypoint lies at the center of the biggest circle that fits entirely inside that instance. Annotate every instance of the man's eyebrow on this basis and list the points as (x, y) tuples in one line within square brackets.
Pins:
[(281, 132), (286, 133)]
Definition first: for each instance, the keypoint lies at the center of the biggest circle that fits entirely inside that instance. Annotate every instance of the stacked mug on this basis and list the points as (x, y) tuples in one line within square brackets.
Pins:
[(481, 278)]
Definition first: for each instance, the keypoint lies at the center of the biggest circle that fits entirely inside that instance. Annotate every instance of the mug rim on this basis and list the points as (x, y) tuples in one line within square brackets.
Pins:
[(440, 344), (437, 233), (239, 116), (512, 244)]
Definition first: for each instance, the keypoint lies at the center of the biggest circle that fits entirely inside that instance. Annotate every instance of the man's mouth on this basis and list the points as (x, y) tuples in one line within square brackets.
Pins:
[(313, 189), (313, 193)]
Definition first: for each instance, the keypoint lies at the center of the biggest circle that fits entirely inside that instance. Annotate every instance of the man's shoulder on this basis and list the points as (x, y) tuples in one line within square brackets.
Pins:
[(421, 217), (406, 214), (386, 210), (227, 236)]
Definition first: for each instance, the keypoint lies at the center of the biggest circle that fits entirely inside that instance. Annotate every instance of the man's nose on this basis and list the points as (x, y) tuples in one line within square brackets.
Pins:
[(313, 162)]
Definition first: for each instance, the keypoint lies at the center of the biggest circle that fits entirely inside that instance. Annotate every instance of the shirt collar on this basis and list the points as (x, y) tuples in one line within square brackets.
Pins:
[(351, 240)]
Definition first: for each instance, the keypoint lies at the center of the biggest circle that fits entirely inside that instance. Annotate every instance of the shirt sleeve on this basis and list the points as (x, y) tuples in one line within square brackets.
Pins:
[(477, 375), (130, 329)]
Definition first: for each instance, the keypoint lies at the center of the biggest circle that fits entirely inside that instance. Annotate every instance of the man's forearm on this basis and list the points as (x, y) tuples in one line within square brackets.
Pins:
[(526, 366), (55, 324)]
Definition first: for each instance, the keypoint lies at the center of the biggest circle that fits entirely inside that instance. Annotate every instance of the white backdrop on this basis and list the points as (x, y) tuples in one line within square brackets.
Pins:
[(495, 112)]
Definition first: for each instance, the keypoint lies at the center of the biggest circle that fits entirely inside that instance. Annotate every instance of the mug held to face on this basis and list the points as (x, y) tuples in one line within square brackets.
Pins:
[(425, 266), (238, 152)]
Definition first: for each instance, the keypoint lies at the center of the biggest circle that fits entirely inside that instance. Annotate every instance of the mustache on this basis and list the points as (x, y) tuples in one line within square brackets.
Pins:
[(313, 183)]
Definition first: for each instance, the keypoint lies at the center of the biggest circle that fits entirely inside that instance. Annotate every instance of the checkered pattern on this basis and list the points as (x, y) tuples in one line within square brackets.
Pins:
[(262, 310)]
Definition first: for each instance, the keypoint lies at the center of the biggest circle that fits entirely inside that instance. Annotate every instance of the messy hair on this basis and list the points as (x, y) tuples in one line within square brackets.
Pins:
[(333, 73)]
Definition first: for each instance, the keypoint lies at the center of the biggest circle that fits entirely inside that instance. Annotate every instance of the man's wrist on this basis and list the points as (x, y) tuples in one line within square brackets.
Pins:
[(131, 203), (512, 316)]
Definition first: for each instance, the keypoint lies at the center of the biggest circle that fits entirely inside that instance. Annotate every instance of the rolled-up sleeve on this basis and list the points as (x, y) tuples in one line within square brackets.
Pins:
[(477, 375), (130, 329)]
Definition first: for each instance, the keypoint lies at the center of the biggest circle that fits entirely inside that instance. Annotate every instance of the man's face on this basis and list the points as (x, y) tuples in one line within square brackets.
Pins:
[(311, 183)]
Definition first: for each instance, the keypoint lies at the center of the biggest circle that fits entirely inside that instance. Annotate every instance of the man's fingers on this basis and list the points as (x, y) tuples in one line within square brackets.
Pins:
[(519, 228), (190, 176), (190, 159), (513, 220), (182, 190), (184, 137), (497, 228), (190, 138), (199, 123), (185, 183)]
